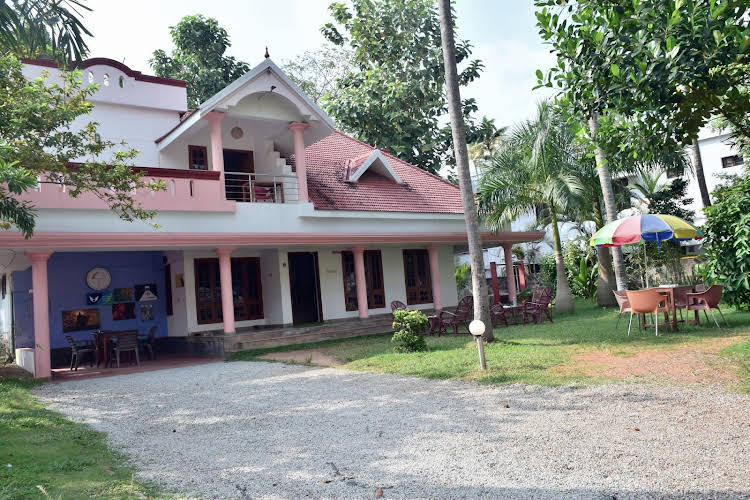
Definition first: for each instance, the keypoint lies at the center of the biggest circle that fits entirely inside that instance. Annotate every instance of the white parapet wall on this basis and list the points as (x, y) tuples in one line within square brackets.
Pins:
[(25, 359)]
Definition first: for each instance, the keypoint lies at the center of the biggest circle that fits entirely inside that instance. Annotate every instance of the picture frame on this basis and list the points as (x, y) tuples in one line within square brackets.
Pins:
[(76, 320), (123, 311), (146, 292), (122, 295)]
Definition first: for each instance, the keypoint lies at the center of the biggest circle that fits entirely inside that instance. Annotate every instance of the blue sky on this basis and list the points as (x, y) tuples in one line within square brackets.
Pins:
[(502, 32)]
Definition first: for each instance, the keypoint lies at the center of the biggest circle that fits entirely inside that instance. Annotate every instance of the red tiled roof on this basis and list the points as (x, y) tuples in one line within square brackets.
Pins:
[(327, 161)]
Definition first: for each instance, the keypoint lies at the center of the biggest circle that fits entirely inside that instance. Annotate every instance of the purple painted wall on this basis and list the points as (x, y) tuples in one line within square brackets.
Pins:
[(68, 289)]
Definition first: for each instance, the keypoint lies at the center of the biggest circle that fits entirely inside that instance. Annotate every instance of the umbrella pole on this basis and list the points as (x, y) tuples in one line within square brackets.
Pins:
[(645, 263)]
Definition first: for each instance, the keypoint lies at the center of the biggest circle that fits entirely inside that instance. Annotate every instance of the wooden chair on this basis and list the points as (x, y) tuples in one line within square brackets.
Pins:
[(622, 300), (538, 306), (77, 349), (647, 302), (147, 342), (126, 342), (461, 316), (497, 313), (397, 304), (707, 301)]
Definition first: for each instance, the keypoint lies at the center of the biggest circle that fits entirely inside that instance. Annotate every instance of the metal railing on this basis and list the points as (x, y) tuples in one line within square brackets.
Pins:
[(260, 188)]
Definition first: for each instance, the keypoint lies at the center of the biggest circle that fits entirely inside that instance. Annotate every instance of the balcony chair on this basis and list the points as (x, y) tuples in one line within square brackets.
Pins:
[(647, 302), (461, 316), (707, 301), (126, 342), (622, 301), (538, 306), (79, 348)]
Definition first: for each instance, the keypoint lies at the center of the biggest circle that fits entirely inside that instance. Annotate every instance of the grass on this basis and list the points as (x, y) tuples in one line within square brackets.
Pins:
[(536, 354), (45, 455)]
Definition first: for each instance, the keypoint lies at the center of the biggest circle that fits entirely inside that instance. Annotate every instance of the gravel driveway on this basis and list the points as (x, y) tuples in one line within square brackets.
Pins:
[(268, 430)]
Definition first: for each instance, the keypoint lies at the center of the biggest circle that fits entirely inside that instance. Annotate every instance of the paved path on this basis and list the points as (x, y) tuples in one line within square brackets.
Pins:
[(268, 430)]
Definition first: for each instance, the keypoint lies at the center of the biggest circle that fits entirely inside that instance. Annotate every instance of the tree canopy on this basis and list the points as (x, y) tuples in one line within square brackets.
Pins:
[(199, 58), (394, 96)]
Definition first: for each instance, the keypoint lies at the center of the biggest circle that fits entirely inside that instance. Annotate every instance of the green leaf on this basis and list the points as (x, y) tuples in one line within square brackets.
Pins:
[(539, 75), (615, 70), (717, 36)]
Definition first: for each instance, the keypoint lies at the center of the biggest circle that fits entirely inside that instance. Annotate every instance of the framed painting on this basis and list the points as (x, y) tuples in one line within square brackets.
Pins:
[(122, 295), (124, 310), (145, 292), (77, 320)]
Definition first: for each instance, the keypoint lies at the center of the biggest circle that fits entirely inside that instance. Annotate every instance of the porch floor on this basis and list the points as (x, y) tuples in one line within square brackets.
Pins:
[(162, 362)]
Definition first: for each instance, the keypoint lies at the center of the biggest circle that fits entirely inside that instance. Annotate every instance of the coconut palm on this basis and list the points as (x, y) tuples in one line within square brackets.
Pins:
[(535, 168), (43, 28)]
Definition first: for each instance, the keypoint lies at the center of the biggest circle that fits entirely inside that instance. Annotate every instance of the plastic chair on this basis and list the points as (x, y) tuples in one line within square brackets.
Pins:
[(647, 302), (622, 301), (147, 342), (497, 313), (77, 349), (707, 301)]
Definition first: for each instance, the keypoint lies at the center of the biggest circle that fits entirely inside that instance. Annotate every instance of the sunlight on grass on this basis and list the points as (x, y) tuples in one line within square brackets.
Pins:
[(532, 354), (45, 455)]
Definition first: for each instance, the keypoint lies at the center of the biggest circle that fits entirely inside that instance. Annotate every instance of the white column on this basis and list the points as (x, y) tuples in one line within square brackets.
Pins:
[(433, 254), (227, 297), (298, 129)]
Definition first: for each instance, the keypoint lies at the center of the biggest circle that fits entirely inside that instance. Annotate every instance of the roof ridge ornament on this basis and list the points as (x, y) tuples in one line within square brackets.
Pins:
[(266, 55)]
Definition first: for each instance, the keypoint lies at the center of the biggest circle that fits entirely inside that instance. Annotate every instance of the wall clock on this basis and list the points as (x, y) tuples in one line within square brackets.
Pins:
[(98, 278)]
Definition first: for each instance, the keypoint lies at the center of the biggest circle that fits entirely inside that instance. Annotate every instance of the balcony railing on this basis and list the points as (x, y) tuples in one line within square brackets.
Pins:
[(260, 188)]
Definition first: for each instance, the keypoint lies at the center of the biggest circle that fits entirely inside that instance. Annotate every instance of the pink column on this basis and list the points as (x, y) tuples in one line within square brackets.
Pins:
[(42, 361), (495, 284), (227, 298), (509, 272), (298, 129), (437, 299), (521, 275), (359, 277), (217, 145)]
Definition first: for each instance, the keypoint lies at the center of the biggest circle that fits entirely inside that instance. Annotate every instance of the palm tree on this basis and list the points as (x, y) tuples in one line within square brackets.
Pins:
[(535, 168), (458, 130), (44, 28)]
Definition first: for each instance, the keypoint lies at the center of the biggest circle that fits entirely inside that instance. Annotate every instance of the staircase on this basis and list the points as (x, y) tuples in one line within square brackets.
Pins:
[(261, 339)]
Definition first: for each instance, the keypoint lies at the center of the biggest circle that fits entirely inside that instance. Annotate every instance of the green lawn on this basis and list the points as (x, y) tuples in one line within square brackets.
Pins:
[(45, 455), (549, 353)]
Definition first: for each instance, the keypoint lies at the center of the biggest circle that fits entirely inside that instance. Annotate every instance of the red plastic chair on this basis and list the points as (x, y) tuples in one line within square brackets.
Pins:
[(622, 300), (707, 301), (647, 302)]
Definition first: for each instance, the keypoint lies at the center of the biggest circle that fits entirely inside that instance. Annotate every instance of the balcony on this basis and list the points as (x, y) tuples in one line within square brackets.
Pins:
[(260, 188), (186, 190)]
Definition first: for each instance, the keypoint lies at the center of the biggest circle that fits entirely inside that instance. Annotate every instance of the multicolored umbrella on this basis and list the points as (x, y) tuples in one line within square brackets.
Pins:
[(642, 228), (646, 227)]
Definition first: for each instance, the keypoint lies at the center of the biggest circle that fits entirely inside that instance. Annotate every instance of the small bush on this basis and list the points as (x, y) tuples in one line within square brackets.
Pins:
[(409, 327)]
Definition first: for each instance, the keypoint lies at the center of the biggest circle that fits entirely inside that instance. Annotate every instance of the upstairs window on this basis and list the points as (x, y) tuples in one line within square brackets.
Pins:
[(198, 157), (732, 161)]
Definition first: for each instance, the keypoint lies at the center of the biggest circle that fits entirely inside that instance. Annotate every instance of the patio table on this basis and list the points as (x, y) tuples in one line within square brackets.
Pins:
[(515, 312), (668, 290), (101, 341)]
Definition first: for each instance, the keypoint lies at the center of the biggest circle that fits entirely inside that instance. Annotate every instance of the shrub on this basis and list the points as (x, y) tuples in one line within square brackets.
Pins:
[(548, 273), (727, 242), (409, 327), (463, 278)]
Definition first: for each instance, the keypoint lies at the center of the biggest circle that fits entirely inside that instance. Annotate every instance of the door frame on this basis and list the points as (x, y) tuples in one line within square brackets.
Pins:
[(251, 158), (316, 269)]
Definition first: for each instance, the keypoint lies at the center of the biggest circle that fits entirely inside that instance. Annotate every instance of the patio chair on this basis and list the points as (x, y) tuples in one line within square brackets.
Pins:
[(461, 316), (147, 342), (497, 314), (680, 297), (77, 349), (538, 306), (126, 342), (648, 301), (707, 301), (622, 301), (397, 304)]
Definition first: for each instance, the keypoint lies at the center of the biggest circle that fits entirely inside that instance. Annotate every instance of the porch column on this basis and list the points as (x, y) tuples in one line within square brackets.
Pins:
[(217, 145), (227, 298), (42, 361), (521, 275), (359, 277), (437, 299), (298, 129), (508, 247)]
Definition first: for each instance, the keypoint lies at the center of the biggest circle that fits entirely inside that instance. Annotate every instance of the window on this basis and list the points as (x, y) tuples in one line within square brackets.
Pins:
[(91, 77), (732, 161), (198, 157), (106, 79), (417, 277), (121, 81), (168, 288), (373, 280), (246, 290)]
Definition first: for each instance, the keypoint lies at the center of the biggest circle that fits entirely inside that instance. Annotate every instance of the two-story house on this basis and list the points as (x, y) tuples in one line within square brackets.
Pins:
[(271, 217)]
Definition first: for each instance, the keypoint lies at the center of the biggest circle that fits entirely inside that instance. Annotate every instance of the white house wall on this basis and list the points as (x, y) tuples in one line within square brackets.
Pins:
[(177, 322), (713, 146)]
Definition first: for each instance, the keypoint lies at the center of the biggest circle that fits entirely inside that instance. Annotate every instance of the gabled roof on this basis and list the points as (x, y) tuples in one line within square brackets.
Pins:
[(376, 162), (236, 86), (329, 188)]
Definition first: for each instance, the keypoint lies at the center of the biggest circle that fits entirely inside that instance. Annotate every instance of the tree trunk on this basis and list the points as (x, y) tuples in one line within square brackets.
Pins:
[(478, 279), (609, 200), (563, 297), (605, 282), (698, 165)]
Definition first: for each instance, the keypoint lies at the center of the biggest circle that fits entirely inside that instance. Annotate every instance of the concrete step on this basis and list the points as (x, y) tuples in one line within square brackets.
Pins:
[(299, 339)]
